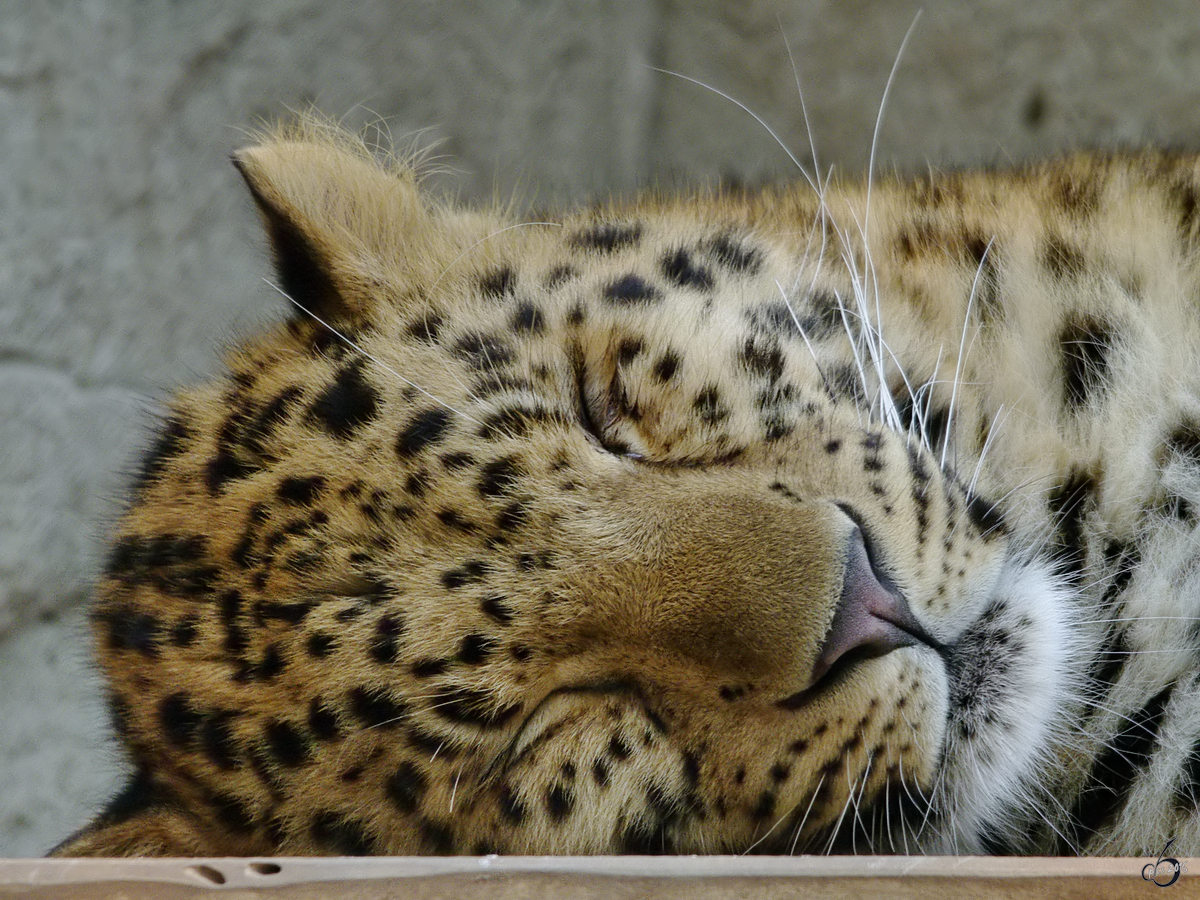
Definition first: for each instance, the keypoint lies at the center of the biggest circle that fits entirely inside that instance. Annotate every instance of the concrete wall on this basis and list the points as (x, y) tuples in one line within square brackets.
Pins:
[(129, 253)]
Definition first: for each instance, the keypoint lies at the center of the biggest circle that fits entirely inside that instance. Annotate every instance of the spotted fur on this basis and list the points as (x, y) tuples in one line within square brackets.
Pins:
[(704, 523)]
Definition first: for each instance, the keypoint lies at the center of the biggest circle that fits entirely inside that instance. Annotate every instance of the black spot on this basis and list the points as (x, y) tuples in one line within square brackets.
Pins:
[(845, 383), (492, 383), (709, 407), (467, 706), (127, 629), (986, 516), (349, 613), (475, 648), (680, 269), (426, 328), (512, 517), (184, 632), (764, 359), (320, 645), (262, 425), (225, 467), (735, 255), (560, 800), (631, 289), (520, 654), (528, 319), (1115, 770), (511, 806), (437, 836), (457, 460), (429, 668), (426, 428), (217, 740), (322, 720), (607, 237), (451, 518), (618, 747), (347, 404), (559, 275), (287, 744), (1085, 344), (271, 663), (497, 608), (498, 477), (650, 834), (1070, 503), (405, 787), (230, 608), (497, 283), (300, 491), (376, 708), (483, 351), (304, 562), (469, 573), (233, 813), (340, 835), (1063, 260), (171, 442), (821, 318), (666, 366), (628, 350), (430, 744), (529, 562), (179, 719), (384, 643), (1124, 560), (417, 483), (515, 421)]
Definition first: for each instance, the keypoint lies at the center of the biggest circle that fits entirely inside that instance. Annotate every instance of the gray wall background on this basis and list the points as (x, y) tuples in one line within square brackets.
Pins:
[(129, 253)]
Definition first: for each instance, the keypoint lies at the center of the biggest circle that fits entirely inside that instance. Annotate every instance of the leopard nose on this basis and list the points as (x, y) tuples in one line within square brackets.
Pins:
[(871, 619)]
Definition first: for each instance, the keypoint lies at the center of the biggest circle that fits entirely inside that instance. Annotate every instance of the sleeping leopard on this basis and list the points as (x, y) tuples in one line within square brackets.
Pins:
[(853, 516)]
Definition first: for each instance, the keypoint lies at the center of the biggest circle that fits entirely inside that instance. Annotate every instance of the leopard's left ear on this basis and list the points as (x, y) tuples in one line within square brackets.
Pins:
[(340, 222)]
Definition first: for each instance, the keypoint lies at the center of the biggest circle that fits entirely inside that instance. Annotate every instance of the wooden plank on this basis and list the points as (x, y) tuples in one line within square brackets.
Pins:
[(585, 878)]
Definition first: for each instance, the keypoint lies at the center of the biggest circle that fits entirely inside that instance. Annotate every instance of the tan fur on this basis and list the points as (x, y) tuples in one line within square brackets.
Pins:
[(531, 537)]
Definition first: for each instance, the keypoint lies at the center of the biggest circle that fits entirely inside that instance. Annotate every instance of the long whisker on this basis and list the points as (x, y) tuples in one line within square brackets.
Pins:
[(813, 183), (879, 118)]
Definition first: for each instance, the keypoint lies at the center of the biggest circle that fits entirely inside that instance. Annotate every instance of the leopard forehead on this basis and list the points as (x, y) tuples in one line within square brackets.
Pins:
[(533, 537)]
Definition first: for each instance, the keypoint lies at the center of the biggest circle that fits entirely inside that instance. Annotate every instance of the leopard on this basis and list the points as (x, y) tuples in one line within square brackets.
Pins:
[(849, 515)]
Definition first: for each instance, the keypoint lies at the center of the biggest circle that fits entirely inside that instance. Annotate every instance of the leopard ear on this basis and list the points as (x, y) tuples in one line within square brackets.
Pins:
[(340, 222)]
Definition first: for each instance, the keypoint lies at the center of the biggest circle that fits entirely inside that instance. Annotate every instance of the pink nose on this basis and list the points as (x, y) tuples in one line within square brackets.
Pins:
[(871, 618)]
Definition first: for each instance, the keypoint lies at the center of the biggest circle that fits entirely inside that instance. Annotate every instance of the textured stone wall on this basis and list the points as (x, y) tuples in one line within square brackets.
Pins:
[(129, 253)]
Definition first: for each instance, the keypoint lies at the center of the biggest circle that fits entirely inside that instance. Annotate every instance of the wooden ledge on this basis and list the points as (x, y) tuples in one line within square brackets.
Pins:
[(583, 878)]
